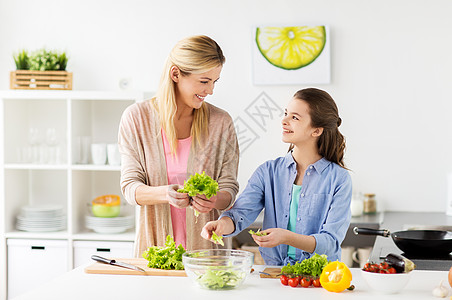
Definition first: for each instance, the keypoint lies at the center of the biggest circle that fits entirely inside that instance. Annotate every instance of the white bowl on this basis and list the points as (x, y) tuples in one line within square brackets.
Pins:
[(386, 283)]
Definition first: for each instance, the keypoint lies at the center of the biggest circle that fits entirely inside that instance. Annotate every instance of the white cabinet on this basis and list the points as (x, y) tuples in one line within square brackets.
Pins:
[(84, 249), (33, 262), (45, 139)]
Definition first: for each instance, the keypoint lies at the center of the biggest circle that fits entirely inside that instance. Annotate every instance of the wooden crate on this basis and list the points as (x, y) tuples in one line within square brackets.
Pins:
[(40, 80)]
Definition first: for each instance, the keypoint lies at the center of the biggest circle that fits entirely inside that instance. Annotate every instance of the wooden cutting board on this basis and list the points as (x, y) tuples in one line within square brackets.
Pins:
[(101, 268), (274, 273)]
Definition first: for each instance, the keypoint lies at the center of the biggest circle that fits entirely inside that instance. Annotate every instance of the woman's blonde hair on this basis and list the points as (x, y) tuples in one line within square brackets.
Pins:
[(192, 55)]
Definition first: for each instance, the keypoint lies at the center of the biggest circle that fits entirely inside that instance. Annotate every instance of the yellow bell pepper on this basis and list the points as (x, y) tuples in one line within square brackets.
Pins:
[(335, 277)]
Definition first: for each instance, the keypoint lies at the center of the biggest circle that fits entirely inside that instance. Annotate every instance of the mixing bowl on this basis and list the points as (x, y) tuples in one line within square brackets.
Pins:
[(218, 269), (106, 206), (386, 283)]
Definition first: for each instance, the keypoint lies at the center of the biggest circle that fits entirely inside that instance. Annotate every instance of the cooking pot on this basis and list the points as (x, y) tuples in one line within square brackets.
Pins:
[(424, 242)]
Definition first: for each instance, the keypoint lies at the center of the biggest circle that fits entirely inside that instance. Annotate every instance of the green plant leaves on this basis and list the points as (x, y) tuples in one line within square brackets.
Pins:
[(41, 60), (200, 184), (167, 258), (22, 60), (311, 266)]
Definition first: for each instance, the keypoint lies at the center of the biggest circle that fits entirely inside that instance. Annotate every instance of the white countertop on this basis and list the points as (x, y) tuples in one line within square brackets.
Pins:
[(76, 284)]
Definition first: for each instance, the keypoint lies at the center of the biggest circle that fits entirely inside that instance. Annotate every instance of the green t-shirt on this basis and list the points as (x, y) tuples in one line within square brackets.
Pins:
[(296, 191)]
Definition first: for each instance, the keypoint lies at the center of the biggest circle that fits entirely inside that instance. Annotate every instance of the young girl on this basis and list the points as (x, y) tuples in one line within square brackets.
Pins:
[(164, 140), (306, 194)]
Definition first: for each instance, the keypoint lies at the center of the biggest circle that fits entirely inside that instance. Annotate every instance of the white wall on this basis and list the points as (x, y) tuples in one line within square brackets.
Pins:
[(391, 73)]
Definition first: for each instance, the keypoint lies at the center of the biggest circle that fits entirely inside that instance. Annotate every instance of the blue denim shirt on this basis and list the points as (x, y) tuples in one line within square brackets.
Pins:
[(323, 210)]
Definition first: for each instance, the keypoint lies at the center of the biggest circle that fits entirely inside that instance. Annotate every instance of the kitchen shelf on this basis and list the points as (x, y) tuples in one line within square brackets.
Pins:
[(96, 167), (127, 236), (34, 167), (57, 235), (41, 162)]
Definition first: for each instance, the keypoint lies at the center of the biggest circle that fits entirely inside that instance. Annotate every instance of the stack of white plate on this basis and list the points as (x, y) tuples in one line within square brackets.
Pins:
[(110, 225), (41, 218)]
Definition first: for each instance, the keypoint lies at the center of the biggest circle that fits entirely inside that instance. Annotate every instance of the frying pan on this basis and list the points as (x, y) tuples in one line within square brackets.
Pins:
[(424, 242)]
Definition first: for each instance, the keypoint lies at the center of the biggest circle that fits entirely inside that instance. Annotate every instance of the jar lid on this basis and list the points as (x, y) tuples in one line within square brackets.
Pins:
[(369, 195)]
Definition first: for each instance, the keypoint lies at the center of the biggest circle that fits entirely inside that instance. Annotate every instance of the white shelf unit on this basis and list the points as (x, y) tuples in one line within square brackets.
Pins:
[(29, 178)]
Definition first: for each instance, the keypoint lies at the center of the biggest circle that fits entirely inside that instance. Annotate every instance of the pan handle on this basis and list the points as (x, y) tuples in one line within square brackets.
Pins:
[(370, 231)]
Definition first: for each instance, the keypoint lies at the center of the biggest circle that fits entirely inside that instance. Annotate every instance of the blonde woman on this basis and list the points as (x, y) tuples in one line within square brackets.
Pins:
[(175, 134)]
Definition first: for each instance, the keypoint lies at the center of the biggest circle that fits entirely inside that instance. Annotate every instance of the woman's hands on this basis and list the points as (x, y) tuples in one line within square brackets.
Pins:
[(179, 200), (221, 227), (199, 202), (274, 237), (203, 204)]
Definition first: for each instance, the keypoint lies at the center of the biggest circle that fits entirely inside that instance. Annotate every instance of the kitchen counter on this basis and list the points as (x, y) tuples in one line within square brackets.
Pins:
[(77, 284), (397, 221)]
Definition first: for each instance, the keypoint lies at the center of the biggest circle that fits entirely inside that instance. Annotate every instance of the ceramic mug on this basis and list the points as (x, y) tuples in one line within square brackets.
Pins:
[(347, 256), (114, 158), (99, 153), (361, 256)]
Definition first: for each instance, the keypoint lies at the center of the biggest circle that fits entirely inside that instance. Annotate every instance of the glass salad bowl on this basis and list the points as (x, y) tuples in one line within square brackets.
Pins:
[(218, 269)]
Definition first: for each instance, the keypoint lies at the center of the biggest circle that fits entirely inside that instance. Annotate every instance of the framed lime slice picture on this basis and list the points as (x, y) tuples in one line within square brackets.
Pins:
[(291, 55), (291, 48)]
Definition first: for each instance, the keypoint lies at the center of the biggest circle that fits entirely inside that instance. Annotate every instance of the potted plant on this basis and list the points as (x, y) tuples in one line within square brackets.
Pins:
[(22, 60), (42, 69)]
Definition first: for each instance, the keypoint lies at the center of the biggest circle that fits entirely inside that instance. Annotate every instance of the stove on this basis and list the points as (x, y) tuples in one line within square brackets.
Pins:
[(436, 263)]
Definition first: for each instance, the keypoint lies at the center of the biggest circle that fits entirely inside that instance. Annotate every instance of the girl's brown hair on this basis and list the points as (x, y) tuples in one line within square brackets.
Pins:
[(324, 114)]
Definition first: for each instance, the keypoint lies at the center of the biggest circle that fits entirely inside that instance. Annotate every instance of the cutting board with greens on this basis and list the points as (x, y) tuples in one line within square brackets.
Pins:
[(160, 261), (100, 268)]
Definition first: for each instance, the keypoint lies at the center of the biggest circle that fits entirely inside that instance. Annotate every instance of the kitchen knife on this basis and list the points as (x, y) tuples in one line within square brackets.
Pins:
[(116, 263)]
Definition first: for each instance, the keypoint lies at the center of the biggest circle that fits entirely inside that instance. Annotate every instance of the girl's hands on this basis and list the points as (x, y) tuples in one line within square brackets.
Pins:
[(179, 200), (202, 204), (221, 227), (274, 237)]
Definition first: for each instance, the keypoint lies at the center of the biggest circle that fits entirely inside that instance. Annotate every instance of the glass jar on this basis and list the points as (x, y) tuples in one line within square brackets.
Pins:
[(369, 204), (356, 205)]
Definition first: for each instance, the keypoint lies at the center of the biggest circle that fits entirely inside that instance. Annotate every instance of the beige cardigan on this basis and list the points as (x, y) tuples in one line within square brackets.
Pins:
[(143, 163)]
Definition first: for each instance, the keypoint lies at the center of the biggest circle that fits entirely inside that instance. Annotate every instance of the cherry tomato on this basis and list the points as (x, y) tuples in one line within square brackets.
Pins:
[(284, 279), (384, 265), (305, 282), (391, 270), (316, 282), (293, 282)]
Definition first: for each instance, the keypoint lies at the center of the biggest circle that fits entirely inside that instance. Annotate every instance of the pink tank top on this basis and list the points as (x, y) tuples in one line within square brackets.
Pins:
[(176, 167)]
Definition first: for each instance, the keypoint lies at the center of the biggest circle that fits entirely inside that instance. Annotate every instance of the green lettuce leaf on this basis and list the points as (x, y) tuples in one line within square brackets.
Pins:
[(217, 239), (201, 184), (311, 266), (167, 258), (258, 232)]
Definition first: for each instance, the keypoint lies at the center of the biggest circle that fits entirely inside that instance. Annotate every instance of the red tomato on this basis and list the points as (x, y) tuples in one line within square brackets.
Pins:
[(391, 270), (316, 282), (293, 282), (305, 282), (284, 279), (384, 265)]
